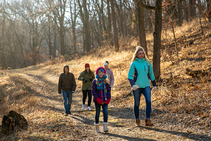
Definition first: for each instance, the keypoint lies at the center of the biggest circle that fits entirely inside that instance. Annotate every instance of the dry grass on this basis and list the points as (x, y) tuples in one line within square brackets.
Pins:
[(178, 93)]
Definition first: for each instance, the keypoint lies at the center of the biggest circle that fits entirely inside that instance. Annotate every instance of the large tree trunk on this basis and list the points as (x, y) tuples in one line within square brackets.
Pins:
[(157, 39), (141, 27), (116, 40)]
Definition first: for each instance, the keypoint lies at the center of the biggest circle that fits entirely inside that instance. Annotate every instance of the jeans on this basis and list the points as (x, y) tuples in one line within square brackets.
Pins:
[(67, 96), (85, 92), (105, 112), (137, 95)]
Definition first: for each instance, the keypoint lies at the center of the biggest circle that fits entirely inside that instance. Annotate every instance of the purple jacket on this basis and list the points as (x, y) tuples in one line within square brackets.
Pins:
[(110, 77), (99, 93)]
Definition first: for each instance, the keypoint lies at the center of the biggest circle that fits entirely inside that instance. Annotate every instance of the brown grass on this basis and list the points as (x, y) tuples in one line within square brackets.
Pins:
[(178, 93)]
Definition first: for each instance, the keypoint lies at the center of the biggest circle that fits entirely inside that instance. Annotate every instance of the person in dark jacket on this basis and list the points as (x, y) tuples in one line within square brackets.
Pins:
[(87, 77), (101, 91), (67, 86)]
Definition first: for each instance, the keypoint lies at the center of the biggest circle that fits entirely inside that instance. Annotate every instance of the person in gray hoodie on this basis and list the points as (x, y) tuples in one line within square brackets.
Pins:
[(67, 86)]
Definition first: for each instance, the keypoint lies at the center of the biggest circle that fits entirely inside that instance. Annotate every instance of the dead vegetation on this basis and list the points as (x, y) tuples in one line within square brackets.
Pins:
[(182, 101)]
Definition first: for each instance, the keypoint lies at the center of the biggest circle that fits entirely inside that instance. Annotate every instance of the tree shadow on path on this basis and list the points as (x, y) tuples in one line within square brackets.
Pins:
[(127, 137), (187, 135)]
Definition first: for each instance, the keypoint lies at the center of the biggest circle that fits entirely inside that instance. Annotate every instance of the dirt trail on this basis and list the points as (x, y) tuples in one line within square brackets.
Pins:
[(47, 121)]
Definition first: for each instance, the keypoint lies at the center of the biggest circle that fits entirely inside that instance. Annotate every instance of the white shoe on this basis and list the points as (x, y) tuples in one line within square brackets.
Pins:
[(105, 127), (88, 108), (97, 128), (82, 107)]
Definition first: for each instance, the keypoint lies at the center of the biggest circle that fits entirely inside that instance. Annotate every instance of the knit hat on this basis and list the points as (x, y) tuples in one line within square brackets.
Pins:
[(100, 69), (106, 63), (87, 65)]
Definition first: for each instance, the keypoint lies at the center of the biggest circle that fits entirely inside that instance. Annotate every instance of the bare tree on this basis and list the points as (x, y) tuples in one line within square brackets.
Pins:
[(157, 39), (141, 26), (116, 39)]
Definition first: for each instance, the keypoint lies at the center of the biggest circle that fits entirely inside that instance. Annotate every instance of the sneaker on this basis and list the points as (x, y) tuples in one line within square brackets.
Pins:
[(88, 108), (82, 107)]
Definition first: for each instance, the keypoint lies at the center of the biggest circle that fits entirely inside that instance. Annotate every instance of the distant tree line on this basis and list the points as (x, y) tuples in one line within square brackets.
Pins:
[(32, 31)]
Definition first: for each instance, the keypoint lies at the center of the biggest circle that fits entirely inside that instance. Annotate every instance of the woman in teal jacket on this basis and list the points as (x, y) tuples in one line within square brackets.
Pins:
[(139, 74)]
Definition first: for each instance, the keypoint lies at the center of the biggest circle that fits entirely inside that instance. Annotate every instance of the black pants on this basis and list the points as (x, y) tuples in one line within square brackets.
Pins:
[(85, 92)]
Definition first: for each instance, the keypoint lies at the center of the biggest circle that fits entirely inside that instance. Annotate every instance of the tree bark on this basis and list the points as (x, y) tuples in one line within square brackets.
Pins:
[(2, 45), (73, 19), (141, 26), (180, 20), (192, 9), (116, 40), (109, 23), (185, 7), (209, 10), (157, 39)]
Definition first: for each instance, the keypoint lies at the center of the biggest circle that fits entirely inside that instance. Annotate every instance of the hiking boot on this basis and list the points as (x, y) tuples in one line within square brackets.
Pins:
[(82, 107), (88, 108), (148, 122), (65, 114), (105, 127), (137, 123), (97, 127)]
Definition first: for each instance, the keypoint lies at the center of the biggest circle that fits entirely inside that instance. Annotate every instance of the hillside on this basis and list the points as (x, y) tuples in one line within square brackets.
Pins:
[(181, 105)]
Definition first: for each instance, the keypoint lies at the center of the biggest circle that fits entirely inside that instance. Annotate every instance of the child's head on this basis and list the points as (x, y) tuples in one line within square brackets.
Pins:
[(101, 72)]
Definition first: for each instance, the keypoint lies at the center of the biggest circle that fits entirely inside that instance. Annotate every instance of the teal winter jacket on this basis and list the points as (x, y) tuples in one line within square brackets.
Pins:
[(143, 70)]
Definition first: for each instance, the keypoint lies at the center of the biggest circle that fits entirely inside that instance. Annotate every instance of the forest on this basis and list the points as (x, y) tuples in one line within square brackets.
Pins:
[(39, 37)]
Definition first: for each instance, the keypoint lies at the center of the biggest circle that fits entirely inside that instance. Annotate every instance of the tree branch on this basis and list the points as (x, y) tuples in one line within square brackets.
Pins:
[(145, 5)]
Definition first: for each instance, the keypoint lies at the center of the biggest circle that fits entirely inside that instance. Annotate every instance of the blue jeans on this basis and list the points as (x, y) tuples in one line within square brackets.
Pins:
[(67, 96), (105, 112), (137, 95)]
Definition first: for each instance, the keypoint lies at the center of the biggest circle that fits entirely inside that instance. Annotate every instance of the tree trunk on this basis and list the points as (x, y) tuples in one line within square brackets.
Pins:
[(116, 40), (209, 10), (192, 9), (185, 7), (73, 19), (61, 37), (2, 45), (180, 12), (141, 26), (157, 39), (109, 23), (86, 27), (54, 44), (49, 38)]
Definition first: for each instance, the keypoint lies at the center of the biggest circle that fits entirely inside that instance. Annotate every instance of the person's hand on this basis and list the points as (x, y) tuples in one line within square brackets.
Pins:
[(135, 87), (73, 91), (154, 89), (99, 101), (107, 101)]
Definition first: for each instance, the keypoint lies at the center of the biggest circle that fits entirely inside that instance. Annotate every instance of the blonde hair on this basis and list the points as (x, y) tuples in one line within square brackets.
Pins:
[(139, 48)]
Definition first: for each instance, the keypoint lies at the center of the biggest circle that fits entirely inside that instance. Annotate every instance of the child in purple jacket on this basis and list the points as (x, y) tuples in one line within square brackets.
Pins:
[(101, 91)]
